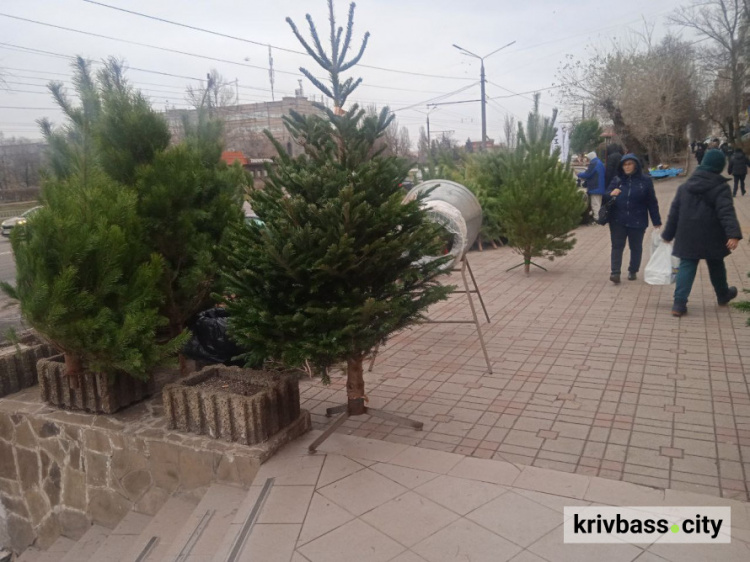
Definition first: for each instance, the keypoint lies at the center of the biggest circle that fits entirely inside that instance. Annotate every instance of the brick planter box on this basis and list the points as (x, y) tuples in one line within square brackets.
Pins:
[(233, 417), (95, 393), (18, 364)]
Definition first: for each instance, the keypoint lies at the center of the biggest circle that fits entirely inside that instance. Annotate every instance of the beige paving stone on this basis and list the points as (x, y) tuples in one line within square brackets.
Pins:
[(552, 482), (460, 495), (409, 518), (286, 504), (335, 467), (362, 491), (516, 518), (485, 470), (433, 461), (322, 517), (464, 540), (408, 477), (552, 547), (355, 540)]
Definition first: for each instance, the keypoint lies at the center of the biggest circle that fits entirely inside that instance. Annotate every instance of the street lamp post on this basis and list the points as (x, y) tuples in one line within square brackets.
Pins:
[(483, 80)]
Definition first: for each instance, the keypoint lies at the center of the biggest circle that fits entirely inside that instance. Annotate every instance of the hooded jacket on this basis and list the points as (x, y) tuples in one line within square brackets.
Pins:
[(738, 164), (594, 177), (702, 218), (637, 201)]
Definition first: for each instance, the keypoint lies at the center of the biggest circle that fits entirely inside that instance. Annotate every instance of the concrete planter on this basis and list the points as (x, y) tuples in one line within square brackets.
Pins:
[(18, 364), (95, 392), (233, 417)]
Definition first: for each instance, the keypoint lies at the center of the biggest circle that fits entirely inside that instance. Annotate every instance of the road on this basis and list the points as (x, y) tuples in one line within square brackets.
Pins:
[(9, 313), (7, 265)]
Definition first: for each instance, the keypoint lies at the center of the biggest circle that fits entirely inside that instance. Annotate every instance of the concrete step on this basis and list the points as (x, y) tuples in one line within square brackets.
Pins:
[(202, 534), (121, 539), (53, 554), (161, 531), (87, 545)]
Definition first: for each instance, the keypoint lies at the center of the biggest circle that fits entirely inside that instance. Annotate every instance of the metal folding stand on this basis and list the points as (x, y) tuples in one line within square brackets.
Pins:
[(400, 420), (465, 266), (524, 263)]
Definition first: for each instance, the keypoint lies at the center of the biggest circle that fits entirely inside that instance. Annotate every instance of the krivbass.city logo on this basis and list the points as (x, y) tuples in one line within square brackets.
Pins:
[(648, 524)]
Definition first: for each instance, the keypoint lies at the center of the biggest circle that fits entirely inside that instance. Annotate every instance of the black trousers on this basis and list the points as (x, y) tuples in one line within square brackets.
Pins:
[(634, 236), (741, 181)]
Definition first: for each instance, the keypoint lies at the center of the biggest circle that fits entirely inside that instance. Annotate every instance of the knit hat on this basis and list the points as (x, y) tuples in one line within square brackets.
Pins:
[(591, 155), (713, 161)]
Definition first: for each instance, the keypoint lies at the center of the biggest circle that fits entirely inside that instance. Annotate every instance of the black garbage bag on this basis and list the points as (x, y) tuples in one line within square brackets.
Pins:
[(210, 341)]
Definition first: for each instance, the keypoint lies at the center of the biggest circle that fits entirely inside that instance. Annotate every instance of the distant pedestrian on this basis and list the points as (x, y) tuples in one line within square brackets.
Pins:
[(635, 200), (703, 224), (699, 152), (738, 168), (614, 155), (692, 147), (714, 144), (594, 177)]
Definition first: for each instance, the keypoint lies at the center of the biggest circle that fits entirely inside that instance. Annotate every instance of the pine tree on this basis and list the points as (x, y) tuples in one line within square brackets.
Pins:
[(539, 203), (186, 196), (85, 277), (338, 265), (586, 136)]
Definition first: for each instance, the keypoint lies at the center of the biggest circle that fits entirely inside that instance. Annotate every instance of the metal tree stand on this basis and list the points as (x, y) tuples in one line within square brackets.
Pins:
[(343, 409)]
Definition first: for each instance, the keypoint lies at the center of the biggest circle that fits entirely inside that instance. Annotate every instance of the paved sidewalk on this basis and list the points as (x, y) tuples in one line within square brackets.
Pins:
[(589, 377), (373, 501)]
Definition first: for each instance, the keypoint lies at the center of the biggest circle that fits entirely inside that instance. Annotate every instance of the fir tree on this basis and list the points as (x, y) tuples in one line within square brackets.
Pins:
[(539, 203), (86, 280), (338, 265), (186, 196)]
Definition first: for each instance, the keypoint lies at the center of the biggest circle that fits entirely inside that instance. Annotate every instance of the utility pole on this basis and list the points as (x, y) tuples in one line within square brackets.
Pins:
[(236, 91), (270, 71), (483, 81), (583, 111)]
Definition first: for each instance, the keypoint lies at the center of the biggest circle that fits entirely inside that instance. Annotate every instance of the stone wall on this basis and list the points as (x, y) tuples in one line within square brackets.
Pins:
[(62, 471)]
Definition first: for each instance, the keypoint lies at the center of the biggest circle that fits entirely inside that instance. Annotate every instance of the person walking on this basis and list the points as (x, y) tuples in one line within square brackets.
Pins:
[(594, 177), (634, 200), (703, 224), (738, 168), (700, 151), (614, 155)]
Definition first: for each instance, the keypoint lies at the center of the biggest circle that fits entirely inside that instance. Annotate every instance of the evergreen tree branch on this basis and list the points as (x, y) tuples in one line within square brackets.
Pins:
[(304, 43)]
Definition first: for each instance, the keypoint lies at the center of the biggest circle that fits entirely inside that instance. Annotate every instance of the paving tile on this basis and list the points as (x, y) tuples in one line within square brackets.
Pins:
[(459, 494), (464, 540), (432, 461), (409, 477), (286, 504), (335, 468), (551, 547), (303, 470), (485, 470), (362, 491), (552, 482), (270, 543), (355, 540), (322, 517), (516, 518), (409, 518)]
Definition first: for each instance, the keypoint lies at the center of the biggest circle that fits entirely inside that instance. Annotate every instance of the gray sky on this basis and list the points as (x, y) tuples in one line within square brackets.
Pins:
[(412, 36)]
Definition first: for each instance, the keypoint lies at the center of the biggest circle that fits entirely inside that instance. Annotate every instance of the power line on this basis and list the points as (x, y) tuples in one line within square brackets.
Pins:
[(127, 41), (438, 98), (258, 43)]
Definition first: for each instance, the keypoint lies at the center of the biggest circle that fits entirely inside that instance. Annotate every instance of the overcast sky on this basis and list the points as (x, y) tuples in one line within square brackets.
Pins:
[(411, 36)]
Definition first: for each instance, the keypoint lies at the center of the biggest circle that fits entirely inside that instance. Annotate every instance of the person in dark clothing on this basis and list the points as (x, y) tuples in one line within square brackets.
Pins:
[(703, 224), (614, 155), (594, 182), (692, 146), (738, 168), (635, 200), (699, 152)]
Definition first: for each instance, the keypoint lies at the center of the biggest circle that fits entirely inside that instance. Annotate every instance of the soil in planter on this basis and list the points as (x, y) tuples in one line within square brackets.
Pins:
[(233, 386)]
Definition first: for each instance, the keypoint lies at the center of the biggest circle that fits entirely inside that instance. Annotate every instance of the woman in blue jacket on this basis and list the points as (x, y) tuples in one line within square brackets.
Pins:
[(635, 200), (594, 182)]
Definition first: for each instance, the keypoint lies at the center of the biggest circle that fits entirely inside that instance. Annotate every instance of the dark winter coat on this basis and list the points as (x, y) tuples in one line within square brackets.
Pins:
[(613, 164), (738, 164), (637, 200), (594, 177), (700, 153), (702, 218)]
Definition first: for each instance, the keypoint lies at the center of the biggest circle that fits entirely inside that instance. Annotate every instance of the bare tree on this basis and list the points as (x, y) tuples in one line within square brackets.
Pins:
[(721, 23), (648, 92), (215, 92)]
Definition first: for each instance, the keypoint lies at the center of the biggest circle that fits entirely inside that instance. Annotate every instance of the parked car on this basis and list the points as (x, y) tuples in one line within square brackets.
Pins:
[(7, 225)]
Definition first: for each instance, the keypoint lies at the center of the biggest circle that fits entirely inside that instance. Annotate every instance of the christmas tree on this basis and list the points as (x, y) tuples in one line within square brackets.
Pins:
[(539, 204), (339, 263), (186, 196)]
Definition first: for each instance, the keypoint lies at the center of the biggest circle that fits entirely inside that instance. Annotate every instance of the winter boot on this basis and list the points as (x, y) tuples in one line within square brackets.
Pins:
[(731, 294), (615, 278), (679, 308)]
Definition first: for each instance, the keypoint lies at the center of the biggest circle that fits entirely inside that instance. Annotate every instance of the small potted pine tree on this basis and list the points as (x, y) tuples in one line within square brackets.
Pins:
[(339, 263)]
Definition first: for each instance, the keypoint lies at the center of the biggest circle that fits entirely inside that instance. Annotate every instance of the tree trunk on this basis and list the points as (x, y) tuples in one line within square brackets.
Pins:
[(632, 143), (355, 385), (527, 262), (73, 369)]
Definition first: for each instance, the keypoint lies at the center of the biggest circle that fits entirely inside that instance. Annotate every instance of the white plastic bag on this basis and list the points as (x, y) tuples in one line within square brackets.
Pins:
[(662, 266)]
